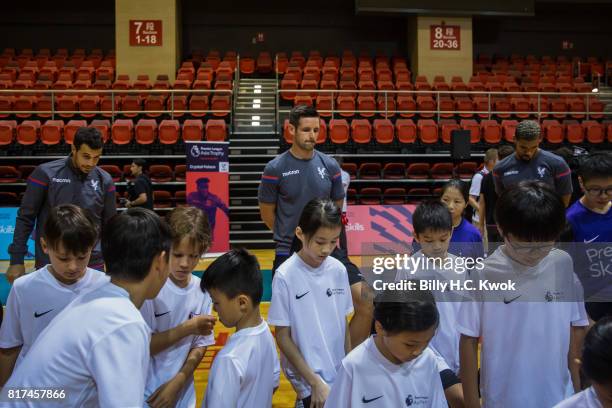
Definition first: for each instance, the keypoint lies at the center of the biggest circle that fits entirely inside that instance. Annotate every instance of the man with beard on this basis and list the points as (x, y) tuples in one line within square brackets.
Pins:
[(76, 180), (290, 181), (529, 162)]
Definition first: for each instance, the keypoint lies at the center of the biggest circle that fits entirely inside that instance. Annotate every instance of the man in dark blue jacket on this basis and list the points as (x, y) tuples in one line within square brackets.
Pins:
[(76, 180)]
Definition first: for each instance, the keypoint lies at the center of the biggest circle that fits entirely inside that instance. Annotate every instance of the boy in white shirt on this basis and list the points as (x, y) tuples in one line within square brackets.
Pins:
[(69, 235), (394, 367), (597, 366), (528, 327), (245, 373), (96, 351), (179, 317), (311, 300)]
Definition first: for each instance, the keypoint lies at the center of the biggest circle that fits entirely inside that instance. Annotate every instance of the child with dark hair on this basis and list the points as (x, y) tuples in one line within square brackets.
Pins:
[(528, 326), (597, 366), (96, 351), (466, 240), (311, 300), (180, 315), (590, 226), (394, 367), (246, 371), (69, 236)]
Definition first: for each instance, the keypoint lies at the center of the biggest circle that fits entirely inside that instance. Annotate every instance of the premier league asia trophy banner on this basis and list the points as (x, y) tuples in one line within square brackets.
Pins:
[(208, 187)]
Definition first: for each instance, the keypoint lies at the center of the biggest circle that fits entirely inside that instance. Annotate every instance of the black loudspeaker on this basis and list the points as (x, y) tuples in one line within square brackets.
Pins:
[(460, 144)]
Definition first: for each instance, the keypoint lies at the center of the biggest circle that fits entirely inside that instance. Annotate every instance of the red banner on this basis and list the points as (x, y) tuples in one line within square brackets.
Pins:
[(445, 37), (371, 227), (145, 33)]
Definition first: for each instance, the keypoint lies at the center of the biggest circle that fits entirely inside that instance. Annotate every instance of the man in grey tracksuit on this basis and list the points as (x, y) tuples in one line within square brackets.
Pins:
[(75, 179)]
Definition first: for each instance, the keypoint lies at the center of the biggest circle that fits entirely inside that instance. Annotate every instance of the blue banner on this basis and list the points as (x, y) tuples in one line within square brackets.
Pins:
[(8, 215)]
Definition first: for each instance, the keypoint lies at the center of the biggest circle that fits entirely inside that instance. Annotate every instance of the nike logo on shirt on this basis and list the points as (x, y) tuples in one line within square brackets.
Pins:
[(161, 314), (302, 295), (511, 300), (588, 241), (367, 401), (37, 315)]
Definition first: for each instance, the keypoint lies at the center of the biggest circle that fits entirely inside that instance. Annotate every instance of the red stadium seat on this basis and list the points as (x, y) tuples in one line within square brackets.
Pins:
[(162, 199), (418, 171), (160, 173), (361, 131), (339, 131), (51, 132), (27, 132), (370, 196), (221, 104), (193, 130), (346, 104), (466, 169), (491, 131), (198, 103), (9, 174), (146, 131), (383, 131), (322, 137), (406, 131), (351, 196), (428, 131), (25, 170), (7, 132), (104, 126), (169, 131), (369, 171), (180, 171), (216, 130), (180, 198), (393, 171), (122, 131), (131, 105), (366, 105), (394, 196), (426, 105), (418, 193), (553, 131), (447, 126), (406, 106), (508, 130), (154, 104), (473, 127), (594, 131), (442, 170), (351, 169), (113, 170)]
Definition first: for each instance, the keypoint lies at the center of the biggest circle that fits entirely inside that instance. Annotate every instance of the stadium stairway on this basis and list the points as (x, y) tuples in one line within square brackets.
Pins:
[(253, 143)]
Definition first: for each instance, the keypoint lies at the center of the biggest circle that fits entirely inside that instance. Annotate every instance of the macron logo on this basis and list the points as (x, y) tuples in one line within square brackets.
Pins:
[(58, 180), (291, 173), (511, 173)]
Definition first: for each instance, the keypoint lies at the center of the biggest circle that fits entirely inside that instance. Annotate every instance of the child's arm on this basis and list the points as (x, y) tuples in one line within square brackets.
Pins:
[(197, 325), (166, 394), (8, 357), (347, 338), (320, 390), (577, 334), (468, 356)]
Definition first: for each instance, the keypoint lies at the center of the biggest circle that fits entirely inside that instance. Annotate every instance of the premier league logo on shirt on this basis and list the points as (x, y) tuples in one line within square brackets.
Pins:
[(329, 292), (409, 400)]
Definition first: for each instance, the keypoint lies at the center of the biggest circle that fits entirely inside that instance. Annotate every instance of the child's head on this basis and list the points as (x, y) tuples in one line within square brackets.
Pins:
[(433, 228), (597, 358), (318, 230), (190, 239), (456, 194), (530, 217), (595, 176), (235, 285), (406, 321), (69, 235), (135, 246)]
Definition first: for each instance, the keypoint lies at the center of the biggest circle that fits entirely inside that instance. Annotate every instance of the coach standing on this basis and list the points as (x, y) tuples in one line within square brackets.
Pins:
[(529, 162), (76, 180), (288, 183)]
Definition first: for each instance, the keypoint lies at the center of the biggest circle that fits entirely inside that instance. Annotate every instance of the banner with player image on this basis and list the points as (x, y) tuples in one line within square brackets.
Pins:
[(208, 187), (372, 228)]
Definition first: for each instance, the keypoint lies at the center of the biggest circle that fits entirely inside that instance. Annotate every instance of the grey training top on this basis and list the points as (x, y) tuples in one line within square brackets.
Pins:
[(56, 183), (545, 166), (291, 183)]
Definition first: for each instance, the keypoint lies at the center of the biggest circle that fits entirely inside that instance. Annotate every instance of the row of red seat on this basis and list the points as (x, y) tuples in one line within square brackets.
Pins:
[(427, 131), (414, 171), (389, 196), (120, 132), (89, 106), (426, 106)]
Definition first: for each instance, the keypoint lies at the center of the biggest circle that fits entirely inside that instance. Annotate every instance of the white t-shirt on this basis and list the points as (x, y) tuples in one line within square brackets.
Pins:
[(245, 372), (475, 189), (346, 180), (173, 306), (446, 339), (96, 349), (525, 342), (584, 399), (34, 300), (314, 302), (367, 378)]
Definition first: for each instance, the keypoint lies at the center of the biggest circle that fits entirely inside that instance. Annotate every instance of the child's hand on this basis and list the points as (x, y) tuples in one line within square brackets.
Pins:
[(319, 393), (166, 395), (202, 325)]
